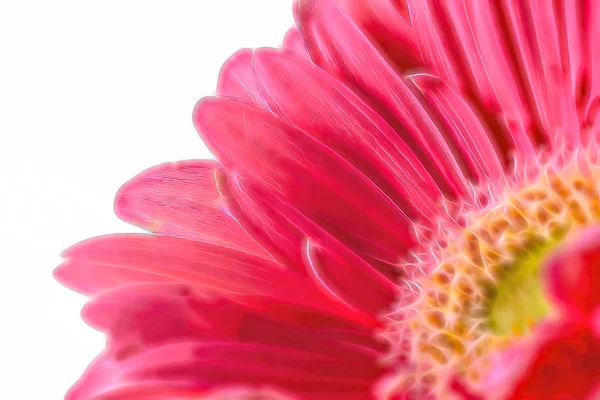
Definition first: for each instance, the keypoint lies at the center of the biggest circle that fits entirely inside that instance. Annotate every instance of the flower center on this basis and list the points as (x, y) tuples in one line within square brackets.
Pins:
[(484, 286), (517, 300)]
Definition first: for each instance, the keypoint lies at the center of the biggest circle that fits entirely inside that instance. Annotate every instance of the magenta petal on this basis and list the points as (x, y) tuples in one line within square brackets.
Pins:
[(464, 131), (275, 394), (205, 365), (342, 275), (139, 317), (589, 68), (342, 154), (236, 78), (561, 361), (321, 106), (244, 393), (386, 23), (181, 199), (573, 275), (113, 261), (275, 232), (339, 272), (465, 45), (536, 37), (260, 147), (293, 42), (103, 380), (340, 48), (578, 25), (349, 279)]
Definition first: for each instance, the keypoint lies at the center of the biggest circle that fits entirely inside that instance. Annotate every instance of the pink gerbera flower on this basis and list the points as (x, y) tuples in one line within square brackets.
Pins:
[(405, 206)]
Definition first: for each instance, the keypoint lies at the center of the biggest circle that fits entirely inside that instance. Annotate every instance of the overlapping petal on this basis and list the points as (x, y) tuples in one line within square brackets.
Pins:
[(194, 368), (167, 339), (325, 109), (258, 146), (113, 261), (386, 22), (182, 199), (294, 43), (237, 79), (337, 45), (139, 317), (272, 266)]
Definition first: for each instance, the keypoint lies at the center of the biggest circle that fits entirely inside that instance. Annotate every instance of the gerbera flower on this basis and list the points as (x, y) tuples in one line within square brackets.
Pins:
[(389, 187)]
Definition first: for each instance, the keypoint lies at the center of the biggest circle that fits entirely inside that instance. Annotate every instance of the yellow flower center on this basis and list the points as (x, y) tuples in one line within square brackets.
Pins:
[(486, 289), (517, 300)]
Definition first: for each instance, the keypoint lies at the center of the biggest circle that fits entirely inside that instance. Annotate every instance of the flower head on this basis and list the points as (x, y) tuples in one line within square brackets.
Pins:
[(382, 222)]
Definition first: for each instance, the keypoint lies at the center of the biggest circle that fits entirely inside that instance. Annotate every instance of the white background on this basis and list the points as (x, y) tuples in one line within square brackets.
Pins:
[(91, 93)]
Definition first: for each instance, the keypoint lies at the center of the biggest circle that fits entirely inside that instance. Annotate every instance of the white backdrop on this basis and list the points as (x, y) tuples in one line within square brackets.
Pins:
[(91, 93)]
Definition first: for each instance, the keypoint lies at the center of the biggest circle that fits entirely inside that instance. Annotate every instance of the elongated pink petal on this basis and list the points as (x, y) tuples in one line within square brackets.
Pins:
[(273, 226), (341, 275), (345, 52), (275, 232), (385, 22), (113, 261), (139, 317), (349, 279), (181, 199), (258, 146), (465, 132), (313, 100), (201, 366), (343, 152), (293, 42), (590, 66), (536, 39), (573, 275), (236, 78), (466, 46), (247, 394), (274, 394)]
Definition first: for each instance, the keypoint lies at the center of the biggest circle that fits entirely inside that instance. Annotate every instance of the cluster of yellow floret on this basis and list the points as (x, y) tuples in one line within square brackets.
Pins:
[(472, 303)]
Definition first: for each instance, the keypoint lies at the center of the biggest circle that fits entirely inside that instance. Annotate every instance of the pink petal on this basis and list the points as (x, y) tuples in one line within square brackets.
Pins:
[(113, 261), (139, 317), (343, 276), (182, 199), (582, 20), (573, 275), (236, 78), (562, 361), (536, 39), (274, 394), (197, 366), (466, 45), (314, 101), (293, 42), (349, 279), (464, 130), (279, 236), (256, 145), (247, 394), (385, 22), (340, 48)]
